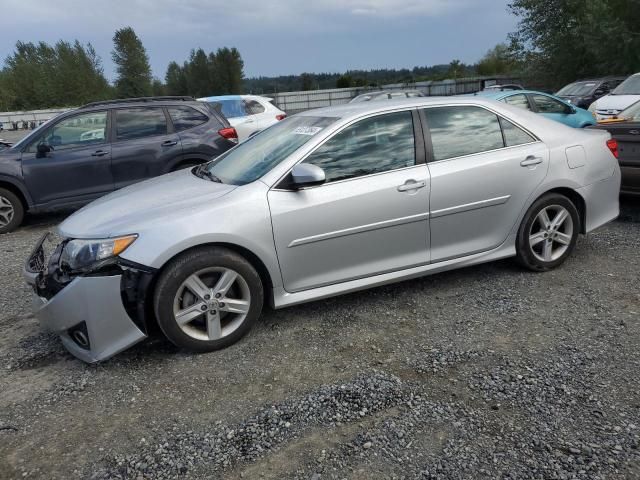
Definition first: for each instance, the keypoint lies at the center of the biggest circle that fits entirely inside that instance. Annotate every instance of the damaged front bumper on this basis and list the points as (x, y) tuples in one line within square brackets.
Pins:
[(97, 314)]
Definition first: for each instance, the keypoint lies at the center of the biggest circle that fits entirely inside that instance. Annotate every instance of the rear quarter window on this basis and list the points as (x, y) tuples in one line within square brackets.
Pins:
[(184, 118)]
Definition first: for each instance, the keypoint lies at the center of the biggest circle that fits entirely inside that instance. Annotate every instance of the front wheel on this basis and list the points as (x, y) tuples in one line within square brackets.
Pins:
[(548, 233), (207, 299), (11, 211)]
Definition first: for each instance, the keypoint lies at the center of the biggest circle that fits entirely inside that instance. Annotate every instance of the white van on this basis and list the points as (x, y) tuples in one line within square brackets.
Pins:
[(624, 95)]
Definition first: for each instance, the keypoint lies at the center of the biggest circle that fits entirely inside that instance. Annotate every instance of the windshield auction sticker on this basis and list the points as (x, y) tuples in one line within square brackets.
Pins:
[(306, 130)]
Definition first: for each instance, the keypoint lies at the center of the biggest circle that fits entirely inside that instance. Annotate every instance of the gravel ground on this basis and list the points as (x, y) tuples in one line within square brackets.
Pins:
[(487, 372)]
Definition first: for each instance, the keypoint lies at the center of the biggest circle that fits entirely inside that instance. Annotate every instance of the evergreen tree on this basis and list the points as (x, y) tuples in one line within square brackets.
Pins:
[(132, 65), (307, 81), (176, 80)]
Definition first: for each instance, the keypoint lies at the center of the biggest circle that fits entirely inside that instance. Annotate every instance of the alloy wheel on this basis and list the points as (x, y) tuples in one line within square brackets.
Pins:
[(551, 233), (6, 211), (212, 303)]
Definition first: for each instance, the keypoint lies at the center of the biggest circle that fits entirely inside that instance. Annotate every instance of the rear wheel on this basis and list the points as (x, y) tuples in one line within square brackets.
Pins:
[(11, 211), (208, 299), (548, 233)]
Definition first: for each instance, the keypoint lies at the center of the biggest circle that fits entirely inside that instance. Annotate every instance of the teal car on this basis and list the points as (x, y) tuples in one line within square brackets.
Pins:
[(545, 104)]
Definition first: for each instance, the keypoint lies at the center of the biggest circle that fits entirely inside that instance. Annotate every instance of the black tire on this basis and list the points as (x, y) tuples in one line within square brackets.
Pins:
[(187, 264), (11, 208), (527, 255)]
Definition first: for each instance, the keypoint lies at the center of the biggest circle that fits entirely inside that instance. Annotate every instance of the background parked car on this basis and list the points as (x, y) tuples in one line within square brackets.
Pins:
[(4, 144), (103, 146), (625, 129), (503, 88), (386, 95), (622, 97), (545, 104), (248, 114), (584, 92)]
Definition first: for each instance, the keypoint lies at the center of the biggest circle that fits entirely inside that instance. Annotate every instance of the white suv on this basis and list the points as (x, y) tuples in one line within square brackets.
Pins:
[(624, 95), (248, 114)]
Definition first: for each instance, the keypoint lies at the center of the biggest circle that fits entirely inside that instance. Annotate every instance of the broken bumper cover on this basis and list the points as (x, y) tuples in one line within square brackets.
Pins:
[(88, 313)]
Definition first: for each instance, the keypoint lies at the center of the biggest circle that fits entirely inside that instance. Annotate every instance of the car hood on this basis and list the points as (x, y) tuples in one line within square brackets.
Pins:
[(616, 102), (130, 209)]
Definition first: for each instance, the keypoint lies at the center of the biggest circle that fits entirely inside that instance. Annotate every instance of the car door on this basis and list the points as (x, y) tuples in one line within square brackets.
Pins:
[(483, 169), (143, 144), (240, 119), (368, 218), (257, 112), (78, 166), (554, 109)]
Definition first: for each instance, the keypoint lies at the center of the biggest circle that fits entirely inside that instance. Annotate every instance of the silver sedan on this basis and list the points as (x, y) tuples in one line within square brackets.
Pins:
[(323, 203)]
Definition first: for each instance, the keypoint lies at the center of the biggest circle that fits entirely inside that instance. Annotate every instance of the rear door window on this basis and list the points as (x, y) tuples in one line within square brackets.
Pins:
[(253, 108), (230, 108), (184, 118), (459, 131), (132, 123), (519, 101)]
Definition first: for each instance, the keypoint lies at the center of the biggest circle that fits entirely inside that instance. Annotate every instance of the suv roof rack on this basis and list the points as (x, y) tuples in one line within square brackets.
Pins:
[(140, 99)]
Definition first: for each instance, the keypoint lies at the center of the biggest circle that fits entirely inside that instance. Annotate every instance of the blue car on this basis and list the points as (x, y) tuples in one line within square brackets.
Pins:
[(545, 104)]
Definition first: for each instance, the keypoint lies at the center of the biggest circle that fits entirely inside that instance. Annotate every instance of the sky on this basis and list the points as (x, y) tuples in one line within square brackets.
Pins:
[(275, 37)]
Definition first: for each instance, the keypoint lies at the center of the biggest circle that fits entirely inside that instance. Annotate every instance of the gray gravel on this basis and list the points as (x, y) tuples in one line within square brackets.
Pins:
[(488, 372)]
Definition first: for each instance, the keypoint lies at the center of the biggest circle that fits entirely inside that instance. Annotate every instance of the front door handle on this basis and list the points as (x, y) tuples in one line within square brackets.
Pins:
[(169, 143), (530, 161), (99, 153), (411, 185)]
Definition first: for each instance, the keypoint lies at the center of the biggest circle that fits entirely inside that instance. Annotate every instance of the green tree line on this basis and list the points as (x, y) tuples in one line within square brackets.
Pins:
[(39, 75), (559, 41)]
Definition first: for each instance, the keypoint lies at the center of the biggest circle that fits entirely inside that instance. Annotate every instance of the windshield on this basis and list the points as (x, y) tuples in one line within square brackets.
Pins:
[(632, 113), (578, 89), (631, 86), (254, 158)]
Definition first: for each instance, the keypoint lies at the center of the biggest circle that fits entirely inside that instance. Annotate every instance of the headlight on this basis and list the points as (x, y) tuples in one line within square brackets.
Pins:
[(82, 254)]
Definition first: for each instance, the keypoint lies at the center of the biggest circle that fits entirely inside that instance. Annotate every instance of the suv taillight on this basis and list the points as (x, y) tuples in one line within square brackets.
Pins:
[(229, 133), (282, 116), (612, 144)]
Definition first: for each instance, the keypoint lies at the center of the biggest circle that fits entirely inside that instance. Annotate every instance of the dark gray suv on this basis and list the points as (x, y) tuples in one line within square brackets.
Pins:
[(103, 146)]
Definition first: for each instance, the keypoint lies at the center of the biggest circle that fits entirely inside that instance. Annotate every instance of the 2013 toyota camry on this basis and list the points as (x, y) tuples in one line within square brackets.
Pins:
[(326, 202)]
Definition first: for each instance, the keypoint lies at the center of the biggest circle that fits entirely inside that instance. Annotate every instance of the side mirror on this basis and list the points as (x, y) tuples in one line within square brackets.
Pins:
[(599, 92), (43, 149), (306, 175), (569, 110)]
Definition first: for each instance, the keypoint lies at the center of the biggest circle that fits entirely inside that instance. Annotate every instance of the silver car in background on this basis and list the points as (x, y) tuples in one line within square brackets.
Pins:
[(323, 203)]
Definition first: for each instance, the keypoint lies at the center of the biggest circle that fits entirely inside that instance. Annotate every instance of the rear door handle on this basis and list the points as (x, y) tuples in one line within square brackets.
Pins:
[(411, 185), (169, 143), (99, 153), (529, 161)]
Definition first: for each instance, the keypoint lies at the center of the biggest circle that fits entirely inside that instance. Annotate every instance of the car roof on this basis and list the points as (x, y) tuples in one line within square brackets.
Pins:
[(215, 98), (354, 110), (508, 93)]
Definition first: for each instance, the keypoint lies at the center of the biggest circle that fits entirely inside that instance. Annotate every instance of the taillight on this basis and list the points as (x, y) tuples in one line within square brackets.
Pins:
[(613, 146), (282, 116), (229, 133)]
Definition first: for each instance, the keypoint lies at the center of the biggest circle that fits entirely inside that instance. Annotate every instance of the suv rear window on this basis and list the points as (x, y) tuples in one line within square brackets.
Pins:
[(139, 122), (186, 117)]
